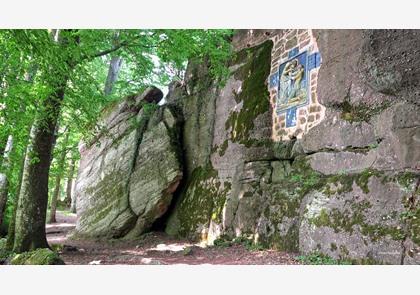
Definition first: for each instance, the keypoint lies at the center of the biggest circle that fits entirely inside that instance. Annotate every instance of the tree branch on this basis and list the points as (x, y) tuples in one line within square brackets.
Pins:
[(126, 43), (108, 51)]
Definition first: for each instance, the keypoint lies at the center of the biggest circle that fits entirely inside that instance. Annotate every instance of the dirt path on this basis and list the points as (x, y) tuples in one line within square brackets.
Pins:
[(153, 248)]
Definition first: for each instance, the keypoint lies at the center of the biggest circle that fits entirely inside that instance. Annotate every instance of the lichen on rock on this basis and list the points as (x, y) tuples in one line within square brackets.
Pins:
[(41, 256), (126, 179)]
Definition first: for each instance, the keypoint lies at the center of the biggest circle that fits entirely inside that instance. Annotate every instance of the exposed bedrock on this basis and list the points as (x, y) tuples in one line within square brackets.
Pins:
[(347, 186)]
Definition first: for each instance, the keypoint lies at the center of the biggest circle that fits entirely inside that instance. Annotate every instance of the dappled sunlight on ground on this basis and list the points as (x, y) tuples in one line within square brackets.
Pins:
[(155, 248), (171, 247)]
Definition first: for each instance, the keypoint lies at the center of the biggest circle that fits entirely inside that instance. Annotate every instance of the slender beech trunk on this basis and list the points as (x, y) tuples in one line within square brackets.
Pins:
[(3, 143), (69, 183), (61, 162), (54, 199), (73, 199), (4, 181), (114, 69), (11, 230)]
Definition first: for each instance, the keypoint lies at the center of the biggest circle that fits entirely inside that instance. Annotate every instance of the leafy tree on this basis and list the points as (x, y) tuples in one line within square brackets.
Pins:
[(67, 87)]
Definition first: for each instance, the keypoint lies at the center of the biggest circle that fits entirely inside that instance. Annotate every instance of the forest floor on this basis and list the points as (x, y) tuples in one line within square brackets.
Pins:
[(154, 248)]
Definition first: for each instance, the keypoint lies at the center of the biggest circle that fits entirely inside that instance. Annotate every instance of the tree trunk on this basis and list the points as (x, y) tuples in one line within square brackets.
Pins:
[(4, 182), (33, 199), (29, 77), (11, 229), (3, 143), (69, 183), (54, 199), (114, 69), (4, 189), (73, 199), (61, 163)]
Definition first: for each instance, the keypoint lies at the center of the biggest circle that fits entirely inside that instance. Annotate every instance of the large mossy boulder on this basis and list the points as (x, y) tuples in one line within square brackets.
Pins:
[(42, 256), (128, 174)]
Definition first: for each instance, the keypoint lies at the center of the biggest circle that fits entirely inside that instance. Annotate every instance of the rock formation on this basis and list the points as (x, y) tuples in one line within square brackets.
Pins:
[(128, 174), (312, 144)]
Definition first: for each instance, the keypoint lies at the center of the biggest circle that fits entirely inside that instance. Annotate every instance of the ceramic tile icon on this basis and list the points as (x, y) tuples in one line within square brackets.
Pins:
[(293, 86)]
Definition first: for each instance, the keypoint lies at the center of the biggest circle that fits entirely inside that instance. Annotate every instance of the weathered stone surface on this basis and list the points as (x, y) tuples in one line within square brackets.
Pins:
[(246, 201), (335, 133), (390, 62), (157, 173), (340, 80), (341, 162), (105, 166), (250, 38), (389, 142), (222, 130), (176, 90), (131, 171), (357, 217), (263, 188), (399, 128)]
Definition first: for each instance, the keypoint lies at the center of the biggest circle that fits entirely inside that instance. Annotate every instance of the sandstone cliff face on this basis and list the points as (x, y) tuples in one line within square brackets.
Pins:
[(336, 172), (346, 186)]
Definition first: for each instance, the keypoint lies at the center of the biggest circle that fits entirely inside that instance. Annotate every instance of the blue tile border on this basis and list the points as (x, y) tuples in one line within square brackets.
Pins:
[(314, 61), (291, 117), (293, 52), (274, 80)]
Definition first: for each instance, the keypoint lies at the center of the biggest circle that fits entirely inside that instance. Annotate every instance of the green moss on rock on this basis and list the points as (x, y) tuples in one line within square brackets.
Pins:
[(254, 93), (344, 182), (285, 198), (358, 113), (42, 256), (202, 201), (4, 253), (347, 221)]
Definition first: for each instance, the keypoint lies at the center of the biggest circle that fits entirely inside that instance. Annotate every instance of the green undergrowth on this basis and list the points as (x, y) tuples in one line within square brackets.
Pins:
[(318, 258), (248, 243)]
